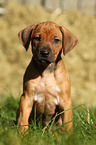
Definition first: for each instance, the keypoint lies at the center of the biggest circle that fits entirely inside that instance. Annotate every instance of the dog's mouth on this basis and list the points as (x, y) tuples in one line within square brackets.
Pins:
[(44, 61), (43, 56)]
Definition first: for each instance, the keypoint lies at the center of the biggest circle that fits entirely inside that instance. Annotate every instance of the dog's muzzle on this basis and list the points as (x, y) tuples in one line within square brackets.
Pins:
[(44, 55)]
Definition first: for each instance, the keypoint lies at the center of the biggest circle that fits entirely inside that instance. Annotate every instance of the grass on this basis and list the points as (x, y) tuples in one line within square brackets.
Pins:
[(84, 131)]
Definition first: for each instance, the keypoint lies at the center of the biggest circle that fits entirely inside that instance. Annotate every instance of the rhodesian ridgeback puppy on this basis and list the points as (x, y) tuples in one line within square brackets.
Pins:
[(46, 83)]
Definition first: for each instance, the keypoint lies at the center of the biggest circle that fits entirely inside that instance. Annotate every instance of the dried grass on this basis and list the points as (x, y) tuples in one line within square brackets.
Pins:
[(81, 61)]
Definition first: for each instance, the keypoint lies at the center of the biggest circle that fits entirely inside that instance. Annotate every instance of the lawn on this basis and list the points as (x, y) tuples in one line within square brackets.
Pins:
[(84, 130)]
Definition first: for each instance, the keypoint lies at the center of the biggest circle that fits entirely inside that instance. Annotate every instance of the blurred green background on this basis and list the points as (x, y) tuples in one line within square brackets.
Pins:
[(80, 62)]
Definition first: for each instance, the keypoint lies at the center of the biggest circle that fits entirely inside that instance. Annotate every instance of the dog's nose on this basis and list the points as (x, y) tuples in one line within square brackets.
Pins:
[(44, 53)]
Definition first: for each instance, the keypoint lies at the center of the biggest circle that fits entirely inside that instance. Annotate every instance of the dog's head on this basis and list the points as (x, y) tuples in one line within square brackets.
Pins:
[(47, 40)]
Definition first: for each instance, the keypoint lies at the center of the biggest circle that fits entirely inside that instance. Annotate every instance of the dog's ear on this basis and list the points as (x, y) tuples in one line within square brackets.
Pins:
[(25, 35), (68, 40)]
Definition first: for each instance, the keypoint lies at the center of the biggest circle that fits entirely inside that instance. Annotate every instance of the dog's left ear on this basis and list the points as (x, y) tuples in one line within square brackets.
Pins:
[(68, 40), (25, 35)]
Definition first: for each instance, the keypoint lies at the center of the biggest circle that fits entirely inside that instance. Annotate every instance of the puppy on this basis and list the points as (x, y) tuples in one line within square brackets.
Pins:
[(46, 83)]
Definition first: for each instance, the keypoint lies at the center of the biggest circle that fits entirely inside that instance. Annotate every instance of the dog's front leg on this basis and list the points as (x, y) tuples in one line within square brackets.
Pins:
[(68, 116), (24, 112)]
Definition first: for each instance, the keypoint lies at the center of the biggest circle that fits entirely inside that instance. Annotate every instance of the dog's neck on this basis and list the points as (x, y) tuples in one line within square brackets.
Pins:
[(42, 68)]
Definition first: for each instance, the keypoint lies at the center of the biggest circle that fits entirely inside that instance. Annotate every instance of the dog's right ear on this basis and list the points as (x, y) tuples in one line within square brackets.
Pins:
[(68, 40), (25, 35)]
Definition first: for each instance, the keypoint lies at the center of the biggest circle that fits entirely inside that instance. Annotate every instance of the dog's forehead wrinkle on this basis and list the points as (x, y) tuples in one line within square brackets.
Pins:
[(50, 32), (48, 29)]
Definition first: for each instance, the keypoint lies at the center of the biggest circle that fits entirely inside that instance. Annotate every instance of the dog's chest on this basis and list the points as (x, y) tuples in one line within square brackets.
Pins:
[(46, 93)]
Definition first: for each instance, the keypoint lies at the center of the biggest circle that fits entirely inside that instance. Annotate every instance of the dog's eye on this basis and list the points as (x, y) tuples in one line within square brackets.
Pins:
[(56, 40), (37, 39)]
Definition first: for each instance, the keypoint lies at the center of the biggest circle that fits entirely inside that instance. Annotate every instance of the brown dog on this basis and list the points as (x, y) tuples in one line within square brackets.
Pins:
[(46, 80)]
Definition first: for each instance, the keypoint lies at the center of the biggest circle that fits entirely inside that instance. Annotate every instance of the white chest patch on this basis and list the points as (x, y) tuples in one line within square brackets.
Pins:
[(56, 100), (42, 84), (38, 98), (58, 89)]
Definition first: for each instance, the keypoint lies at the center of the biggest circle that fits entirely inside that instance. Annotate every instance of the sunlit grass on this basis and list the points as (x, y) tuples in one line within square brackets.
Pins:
[(84, 130)]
